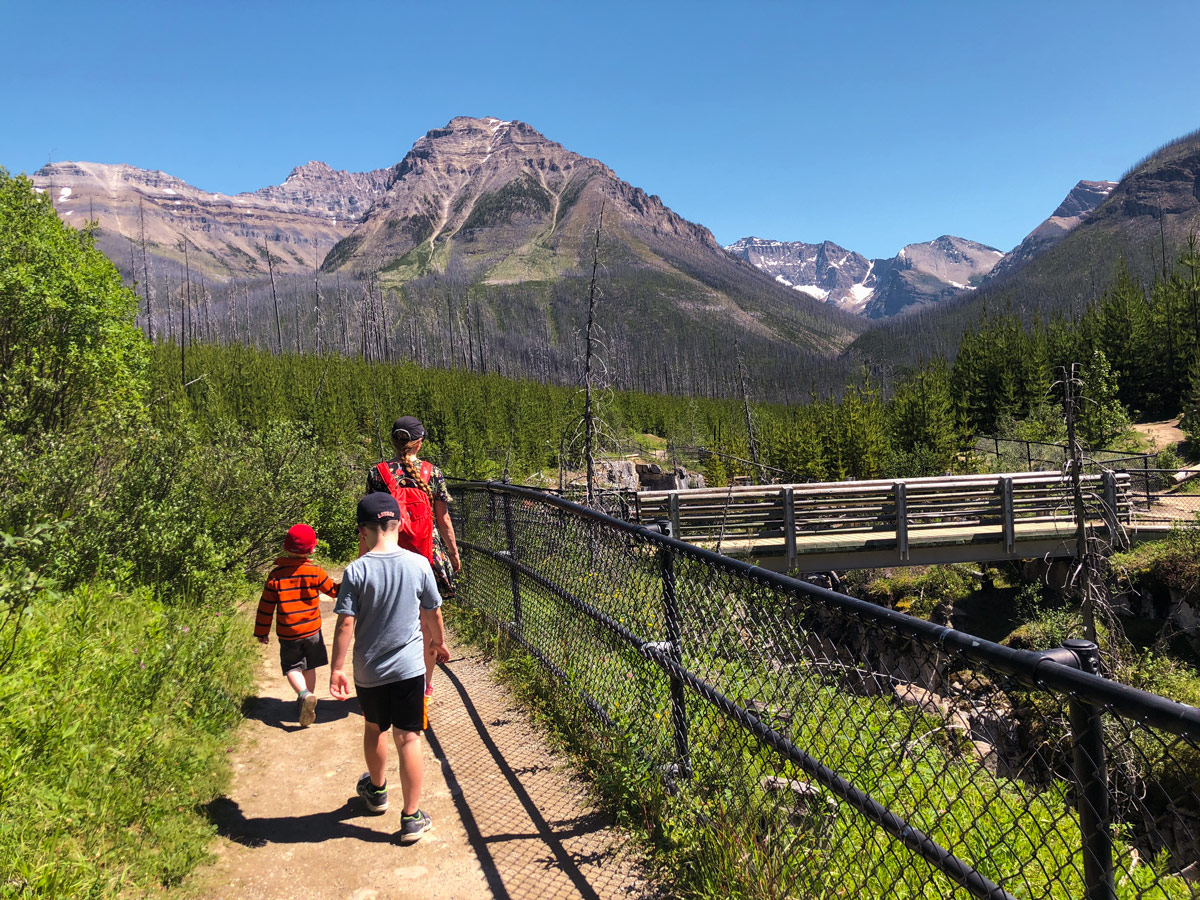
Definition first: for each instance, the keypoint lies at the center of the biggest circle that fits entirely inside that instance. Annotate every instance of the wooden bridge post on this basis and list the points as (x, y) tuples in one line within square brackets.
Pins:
[(789, 527), (1008, 521), (673, 513), (1111, 518), (900, 492)]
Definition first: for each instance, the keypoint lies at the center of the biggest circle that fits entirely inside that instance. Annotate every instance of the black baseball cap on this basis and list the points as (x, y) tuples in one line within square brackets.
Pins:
[(377, 508), (410, 425)]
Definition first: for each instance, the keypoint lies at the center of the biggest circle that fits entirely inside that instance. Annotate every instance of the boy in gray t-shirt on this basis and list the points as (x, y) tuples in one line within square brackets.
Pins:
[(387, 600)]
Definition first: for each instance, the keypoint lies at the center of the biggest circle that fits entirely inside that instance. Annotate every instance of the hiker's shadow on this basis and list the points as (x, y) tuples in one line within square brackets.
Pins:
[(281, 714), (313, 828)]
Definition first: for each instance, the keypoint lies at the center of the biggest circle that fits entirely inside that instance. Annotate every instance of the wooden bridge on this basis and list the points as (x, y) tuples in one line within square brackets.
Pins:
[(903, 522)]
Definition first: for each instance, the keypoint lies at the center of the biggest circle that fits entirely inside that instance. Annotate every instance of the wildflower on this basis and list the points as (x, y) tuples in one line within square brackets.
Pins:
[(143, 665), (186, 629)]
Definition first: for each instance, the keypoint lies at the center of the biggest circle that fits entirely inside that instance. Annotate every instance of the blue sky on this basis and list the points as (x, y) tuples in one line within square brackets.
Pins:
[(869, 124)]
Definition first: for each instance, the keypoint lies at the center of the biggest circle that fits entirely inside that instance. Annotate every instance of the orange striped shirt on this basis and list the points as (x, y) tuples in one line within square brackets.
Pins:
[(292, 597)]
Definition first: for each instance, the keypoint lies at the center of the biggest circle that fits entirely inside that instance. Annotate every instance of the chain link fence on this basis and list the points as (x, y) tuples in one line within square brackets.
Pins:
[(796, 742)]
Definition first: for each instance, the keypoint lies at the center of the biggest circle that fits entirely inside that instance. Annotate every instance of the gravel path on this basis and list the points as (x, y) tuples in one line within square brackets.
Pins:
[(510, 820)]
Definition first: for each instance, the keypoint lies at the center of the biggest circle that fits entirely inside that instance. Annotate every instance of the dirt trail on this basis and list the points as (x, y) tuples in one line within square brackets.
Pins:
[(510, 821), (1162, 434)]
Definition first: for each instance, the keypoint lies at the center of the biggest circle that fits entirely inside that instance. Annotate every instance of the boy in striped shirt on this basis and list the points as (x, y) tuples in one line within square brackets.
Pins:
[(292, 597)]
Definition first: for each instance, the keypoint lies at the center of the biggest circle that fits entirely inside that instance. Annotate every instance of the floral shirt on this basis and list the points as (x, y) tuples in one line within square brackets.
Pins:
[(442, 569)]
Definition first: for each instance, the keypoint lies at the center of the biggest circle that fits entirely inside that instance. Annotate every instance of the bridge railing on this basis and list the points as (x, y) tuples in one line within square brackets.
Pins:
[(789, 741), (760, 515)]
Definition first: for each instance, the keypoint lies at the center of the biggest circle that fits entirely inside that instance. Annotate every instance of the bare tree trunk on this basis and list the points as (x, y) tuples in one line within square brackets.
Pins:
[(207, 309), (275, 300), (342, 313), (317, 294), (246, 299), (184, 314), (589, 420), (1087, 554), (146, 275), (746, 406), (383, 325)]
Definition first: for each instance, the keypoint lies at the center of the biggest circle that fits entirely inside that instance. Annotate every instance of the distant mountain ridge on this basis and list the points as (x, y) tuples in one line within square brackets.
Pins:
[(920, 274), (476, 248), (300, 219)]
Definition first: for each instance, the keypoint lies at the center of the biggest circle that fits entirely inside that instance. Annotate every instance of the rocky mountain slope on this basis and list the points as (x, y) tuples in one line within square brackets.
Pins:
[(498, 197), (920, 274), (492, 203), (300, 219), (1077, 206)]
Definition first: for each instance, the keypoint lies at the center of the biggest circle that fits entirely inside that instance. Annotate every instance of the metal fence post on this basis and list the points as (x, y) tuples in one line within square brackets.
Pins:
[(510, 533), (1029, 456), (679, 722), (1146, 479), (1091, 783)]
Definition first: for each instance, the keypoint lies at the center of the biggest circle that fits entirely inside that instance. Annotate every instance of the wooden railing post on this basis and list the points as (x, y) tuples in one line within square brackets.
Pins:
[(673, 513), (1111, 519), (900, 494), (1008, 519)]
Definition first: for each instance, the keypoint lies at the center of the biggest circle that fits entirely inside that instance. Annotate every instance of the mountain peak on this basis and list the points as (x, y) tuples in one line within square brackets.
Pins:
[(314, 168)]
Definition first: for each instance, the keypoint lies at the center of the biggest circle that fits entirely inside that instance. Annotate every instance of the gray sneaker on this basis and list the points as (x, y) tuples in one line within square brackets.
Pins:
[(375, 798), (412, 827), (307, 704)]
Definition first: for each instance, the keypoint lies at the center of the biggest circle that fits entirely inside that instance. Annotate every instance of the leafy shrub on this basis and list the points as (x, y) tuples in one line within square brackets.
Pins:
[(68, 342)]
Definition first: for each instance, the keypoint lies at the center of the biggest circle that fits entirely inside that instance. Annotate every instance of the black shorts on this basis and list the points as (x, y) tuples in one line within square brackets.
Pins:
[(306, 653), (400, 704)]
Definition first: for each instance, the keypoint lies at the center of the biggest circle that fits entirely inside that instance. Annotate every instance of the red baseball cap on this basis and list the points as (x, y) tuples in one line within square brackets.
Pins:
[(300, 539)]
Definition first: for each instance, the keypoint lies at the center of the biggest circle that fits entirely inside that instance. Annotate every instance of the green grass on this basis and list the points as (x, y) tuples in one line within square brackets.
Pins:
[(115, 722)]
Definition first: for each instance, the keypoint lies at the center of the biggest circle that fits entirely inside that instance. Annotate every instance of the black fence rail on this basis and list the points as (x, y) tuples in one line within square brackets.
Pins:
[(816, 745)]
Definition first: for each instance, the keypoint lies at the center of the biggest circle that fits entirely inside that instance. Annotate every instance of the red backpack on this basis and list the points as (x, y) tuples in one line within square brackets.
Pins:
[(416, 512)]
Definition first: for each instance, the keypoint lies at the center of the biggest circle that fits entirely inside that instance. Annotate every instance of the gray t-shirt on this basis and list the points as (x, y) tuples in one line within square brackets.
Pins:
[(385, 593)]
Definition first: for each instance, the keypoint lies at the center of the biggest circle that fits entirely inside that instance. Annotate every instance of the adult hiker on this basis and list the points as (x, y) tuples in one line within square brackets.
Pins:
[(420, 488)]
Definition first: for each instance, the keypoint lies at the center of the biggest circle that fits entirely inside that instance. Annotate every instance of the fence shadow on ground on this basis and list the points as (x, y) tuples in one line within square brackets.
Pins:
[(526, 819)]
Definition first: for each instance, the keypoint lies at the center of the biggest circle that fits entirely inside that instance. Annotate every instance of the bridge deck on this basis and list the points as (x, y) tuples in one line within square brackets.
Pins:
[(926, 546)]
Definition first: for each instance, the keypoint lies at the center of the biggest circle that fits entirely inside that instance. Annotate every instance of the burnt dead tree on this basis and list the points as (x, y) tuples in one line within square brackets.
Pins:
[(589, 417), (274, 299)]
